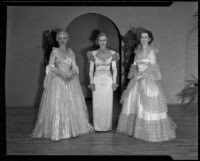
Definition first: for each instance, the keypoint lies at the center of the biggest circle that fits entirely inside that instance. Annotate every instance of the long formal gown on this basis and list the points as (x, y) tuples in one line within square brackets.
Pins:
[(103, 94), (63, 112), (144, 112)]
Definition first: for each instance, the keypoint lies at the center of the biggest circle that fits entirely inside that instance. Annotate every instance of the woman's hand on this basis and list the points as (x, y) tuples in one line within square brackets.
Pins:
[(139, 76), (132, 72), (114, 86), (92, 86), (65, 76), (68, 76)]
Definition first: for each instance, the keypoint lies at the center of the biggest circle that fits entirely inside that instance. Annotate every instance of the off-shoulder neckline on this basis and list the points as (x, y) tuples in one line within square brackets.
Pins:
[(64, 55)]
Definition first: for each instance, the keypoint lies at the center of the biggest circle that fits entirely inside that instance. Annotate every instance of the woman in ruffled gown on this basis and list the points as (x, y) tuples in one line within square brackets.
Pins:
[(63, 112), (102, 83), (144, 111)]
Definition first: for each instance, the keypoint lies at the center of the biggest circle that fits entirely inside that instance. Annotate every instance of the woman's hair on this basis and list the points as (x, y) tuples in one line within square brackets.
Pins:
[(62, 32), (149, 34), (49, 40)]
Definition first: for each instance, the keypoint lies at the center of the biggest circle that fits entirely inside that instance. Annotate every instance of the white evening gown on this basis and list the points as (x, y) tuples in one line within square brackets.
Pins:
[(103, 94), (144, 112)]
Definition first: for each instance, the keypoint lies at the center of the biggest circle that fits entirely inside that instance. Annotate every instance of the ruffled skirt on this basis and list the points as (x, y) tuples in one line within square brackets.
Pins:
[(63, 112), (144, 112)]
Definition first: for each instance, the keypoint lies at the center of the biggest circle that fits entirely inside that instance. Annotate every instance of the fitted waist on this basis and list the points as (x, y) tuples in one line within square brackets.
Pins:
[(102, 72)]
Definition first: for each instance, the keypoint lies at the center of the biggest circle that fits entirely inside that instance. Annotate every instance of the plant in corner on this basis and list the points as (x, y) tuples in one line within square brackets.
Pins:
[(49, 41), (189, 94)]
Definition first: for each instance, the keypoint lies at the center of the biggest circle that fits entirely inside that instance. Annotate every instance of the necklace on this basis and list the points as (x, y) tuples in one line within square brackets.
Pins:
[(63, 50), (103, 54)]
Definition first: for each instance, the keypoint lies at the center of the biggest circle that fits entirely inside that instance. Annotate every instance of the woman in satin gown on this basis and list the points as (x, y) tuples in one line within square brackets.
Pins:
[(144, 112), (102, 83), (63, 112)]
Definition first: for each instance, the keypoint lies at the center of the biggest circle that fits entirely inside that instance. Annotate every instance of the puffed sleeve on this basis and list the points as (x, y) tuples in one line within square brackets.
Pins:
[(49, 68), (115, 57), (52, 59), (90, 56), (153, 71)]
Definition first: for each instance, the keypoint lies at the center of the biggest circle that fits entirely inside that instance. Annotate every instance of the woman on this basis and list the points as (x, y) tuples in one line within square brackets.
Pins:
[(102, 83), (144, 111), (63, 112)]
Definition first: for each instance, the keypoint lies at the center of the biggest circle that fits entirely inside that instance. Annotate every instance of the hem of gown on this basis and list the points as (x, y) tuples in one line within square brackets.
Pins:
[(151, 131), (102, 130), (71, 135), (35, 136)]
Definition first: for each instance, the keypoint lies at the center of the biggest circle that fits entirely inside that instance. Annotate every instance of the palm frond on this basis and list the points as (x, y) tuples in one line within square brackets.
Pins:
[(189, 94)]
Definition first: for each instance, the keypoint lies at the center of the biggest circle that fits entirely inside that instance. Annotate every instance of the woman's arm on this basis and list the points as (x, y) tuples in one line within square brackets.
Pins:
[(133, 70), (75, 69), (114, 69), (115, 58), (153, 71), (91, 70), (49, 68), (51, 64)]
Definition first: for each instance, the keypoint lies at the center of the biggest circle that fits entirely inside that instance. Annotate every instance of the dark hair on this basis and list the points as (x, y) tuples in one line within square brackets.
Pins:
[(101, 34), (149, 34)]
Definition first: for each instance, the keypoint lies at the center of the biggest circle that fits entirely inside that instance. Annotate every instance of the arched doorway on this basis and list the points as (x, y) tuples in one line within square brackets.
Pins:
[(83, 31)]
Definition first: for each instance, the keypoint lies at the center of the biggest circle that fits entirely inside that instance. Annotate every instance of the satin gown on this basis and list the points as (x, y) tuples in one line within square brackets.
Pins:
[(144, 112), (63, 112), (103, 94)]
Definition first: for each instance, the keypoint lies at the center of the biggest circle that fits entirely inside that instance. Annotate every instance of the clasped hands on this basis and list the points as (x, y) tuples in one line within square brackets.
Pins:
[(135, 75), (92, 86), (65, 76)]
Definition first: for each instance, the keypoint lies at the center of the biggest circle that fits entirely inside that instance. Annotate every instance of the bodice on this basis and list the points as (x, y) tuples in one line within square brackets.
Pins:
[(102, 66), (142, 59), (63, 62)]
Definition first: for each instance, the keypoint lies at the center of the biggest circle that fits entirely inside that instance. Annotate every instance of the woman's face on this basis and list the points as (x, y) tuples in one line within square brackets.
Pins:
[(144, 39), (102, 41), (62, 39)]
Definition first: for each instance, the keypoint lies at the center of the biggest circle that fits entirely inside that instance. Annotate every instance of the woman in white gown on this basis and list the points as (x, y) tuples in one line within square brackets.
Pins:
[(144, 111), (102, 83), (63, 112)]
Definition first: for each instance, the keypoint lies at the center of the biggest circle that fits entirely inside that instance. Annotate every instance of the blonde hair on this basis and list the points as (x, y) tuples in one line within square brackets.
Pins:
[(62, 32)]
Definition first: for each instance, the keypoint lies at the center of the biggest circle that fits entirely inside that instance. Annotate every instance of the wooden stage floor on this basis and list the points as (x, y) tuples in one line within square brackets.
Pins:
[(20, 121)]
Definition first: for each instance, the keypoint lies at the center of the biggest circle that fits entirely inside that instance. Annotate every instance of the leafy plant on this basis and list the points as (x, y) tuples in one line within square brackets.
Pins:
[(130, 40), (195, 16), (189, 94), (49, 41)]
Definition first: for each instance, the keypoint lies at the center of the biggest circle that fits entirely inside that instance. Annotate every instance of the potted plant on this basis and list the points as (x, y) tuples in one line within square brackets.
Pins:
[(189, 94)]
